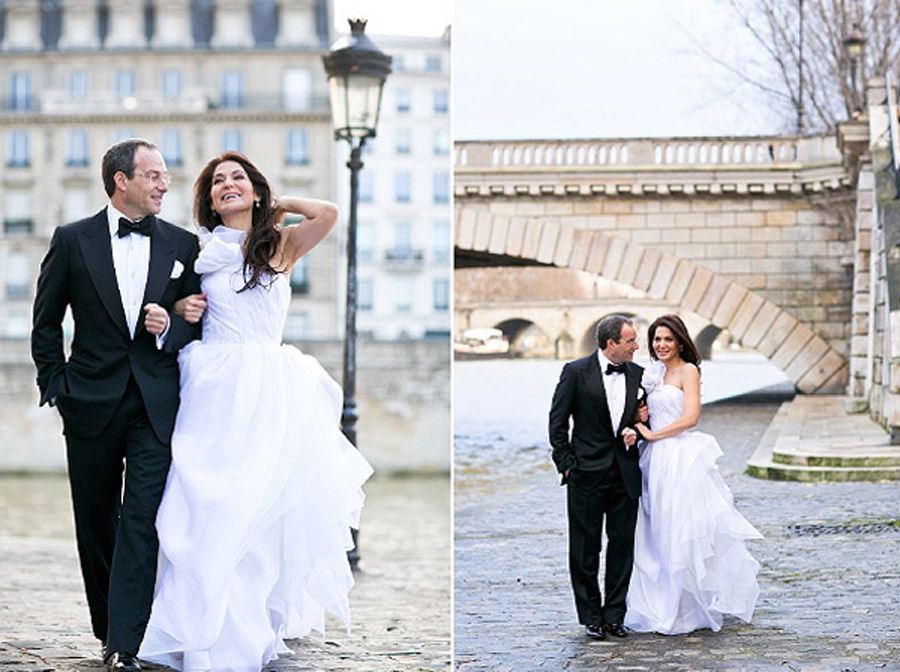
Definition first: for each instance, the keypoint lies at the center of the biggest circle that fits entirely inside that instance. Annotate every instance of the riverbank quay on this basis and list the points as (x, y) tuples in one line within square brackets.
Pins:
[(400, 605), (828, 577)]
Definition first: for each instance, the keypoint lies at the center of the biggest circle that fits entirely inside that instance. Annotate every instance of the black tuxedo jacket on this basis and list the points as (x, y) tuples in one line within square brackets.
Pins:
[(594, 444), (78, 272)]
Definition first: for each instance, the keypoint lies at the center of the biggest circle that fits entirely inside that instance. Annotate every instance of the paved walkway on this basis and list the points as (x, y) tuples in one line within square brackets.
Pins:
[(830, 575), (400, 605)]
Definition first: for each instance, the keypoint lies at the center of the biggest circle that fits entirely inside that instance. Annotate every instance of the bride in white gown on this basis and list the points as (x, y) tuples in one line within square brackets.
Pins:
[(254, 524), (691, 565)]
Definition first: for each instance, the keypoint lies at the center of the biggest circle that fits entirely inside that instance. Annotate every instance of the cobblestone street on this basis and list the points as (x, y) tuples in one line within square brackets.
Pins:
[(828, 592), (400, 605)]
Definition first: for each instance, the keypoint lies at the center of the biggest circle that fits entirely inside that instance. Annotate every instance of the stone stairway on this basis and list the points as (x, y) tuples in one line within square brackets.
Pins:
[(814, 438)]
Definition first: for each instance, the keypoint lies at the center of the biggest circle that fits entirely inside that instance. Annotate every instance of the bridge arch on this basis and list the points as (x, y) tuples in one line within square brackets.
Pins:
[(526, 336), (753, 321)]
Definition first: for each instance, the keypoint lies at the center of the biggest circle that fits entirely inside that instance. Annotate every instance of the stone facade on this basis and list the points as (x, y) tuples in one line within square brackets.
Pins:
[(403, 397), (195, 78), (755, 236)]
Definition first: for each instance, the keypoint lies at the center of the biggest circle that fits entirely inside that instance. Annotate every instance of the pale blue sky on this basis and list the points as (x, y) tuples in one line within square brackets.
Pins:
[(599, 68)]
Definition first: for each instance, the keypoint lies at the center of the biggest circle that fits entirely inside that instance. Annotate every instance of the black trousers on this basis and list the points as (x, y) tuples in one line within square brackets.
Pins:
[(116, 533), (592, 497)]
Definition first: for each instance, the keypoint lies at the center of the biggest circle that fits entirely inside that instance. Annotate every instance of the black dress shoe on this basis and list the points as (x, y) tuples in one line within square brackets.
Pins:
[(595, 632), (122, 662), (616, 630)]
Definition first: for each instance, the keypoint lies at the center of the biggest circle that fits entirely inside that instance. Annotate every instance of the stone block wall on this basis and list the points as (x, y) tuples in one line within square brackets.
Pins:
[(794, 250), (403, 395)]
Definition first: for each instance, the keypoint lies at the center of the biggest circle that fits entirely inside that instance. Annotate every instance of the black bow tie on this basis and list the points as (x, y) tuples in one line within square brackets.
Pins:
[(615, 368), (142, 226)]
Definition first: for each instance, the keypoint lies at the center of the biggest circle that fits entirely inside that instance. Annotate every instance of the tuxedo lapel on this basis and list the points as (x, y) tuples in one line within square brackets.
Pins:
[(162, 257), (97, 250), (632, 382), (594, 382)]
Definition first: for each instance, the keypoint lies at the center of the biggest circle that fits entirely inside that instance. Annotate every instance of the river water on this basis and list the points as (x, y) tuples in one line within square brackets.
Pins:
[(501, 405)]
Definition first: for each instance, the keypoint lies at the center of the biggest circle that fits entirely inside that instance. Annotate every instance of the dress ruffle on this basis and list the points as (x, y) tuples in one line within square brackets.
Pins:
[(255, 521), (691, 563)]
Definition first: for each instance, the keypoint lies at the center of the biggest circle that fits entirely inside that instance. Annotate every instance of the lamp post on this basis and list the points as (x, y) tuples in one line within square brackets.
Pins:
[(356, 71), (854, 44)]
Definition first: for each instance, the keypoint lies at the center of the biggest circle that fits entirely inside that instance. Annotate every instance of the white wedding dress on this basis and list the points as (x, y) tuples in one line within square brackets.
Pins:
[(691, 565), (255, 520)]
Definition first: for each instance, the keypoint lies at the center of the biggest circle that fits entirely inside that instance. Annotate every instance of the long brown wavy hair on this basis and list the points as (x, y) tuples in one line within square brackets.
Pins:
[(263, 238), (688, 351)]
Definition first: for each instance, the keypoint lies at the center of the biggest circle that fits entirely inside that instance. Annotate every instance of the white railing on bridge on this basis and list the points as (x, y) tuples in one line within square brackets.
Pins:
[(663, 152)]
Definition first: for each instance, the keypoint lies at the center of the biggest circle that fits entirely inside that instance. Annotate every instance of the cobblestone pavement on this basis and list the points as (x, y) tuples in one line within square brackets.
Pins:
[(828, 602), (400, 605)]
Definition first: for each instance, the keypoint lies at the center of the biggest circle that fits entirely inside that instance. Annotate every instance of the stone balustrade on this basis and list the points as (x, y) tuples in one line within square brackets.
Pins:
[(671, 153)]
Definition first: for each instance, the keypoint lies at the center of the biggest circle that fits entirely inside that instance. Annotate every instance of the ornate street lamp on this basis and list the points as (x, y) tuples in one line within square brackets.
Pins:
[(356, 71), (854, 44)]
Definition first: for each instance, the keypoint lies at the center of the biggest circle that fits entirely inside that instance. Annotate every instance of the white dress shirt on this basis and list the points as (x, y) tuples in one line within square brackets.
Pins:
[(131, 258), (614, 384)]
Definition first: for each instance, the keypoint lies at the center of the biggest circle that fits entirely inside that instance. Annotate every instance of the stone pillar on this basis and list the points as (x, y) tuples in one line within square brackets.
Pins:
[(173, 24), (862, 332), (23, 26), (126, 24), (231, 25), (297, 24), (79, 25)]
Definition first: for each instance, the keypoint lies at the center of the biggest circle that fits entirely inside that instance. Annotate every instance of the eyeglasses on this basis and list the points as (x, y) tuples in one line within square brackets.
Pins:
[(156, 177)]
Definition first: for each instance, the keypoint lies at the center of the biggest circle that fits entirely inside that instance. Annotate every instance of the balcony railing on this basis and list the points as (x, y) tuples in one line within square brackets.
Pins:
[(664, 153), (191, 101), (404, 258)]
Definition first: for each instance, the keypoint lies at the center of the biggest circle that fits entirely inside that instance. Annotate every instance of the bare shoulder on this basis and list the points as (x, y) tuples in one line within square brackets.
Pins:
[(689, 372)]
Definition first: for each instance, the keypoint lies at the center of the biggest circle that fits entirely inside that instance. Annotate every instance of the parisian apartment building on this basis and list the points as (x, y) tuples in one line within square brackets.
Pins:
[(198, 77), (404, 210)]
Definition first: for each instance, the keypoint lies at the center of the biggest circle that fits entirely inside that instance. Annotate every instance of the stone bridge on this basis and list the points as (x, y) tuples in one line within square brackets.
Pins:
[(767, 238)]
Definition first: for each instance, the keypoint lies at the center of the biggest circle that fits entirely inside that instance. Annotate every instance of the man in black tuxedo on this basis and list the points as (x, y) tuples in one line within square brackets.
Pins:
[(120, 272), (599, 464)]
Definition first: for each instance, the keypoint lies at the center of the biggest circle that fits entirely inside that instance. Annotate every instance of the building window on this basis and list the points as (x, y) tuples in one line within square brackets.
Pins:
[(231, 140), (402, 235), (17, 324), (170, 83), (365, 186), (76, 147), (20, 91), (402, 141), (232, 86), (439, 101), (440, 145), (17, 276), (78, 84), (440, 240), (440, 291), (399, 63), (171, 147), (440, 188), (365, 241), (76, 203), (403, 295), (297, 90), (364, 292), (300, 277), (401, 100), (402, 187), (434, 63), (17, 149), (297, 147), (122, 134), (17, 212), (124, 84)]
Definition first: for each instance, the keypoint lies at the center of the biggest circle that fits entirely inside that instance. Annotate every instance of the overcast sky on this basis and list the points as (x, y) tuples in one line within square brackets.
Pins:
[(598, 68), (396, 17)]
